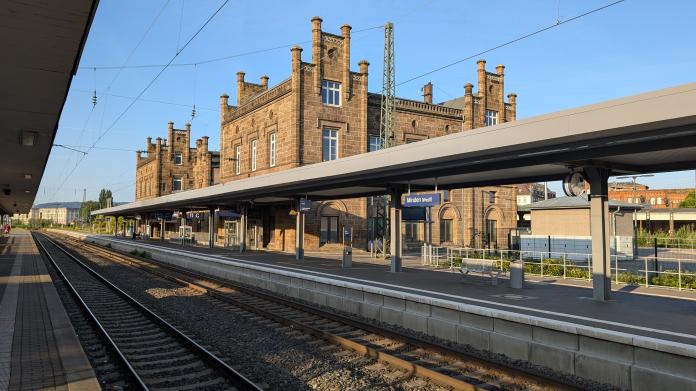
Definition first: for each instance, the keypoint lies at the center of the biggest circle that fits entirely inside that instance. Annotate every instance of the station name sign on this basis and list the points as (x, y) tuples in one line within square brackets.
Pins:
[(431, 199)]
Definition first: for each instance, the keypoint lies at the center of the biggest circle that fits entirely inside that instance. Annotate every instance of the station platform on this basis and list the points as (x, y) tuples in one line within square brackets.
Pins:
[(38, 345), (651, 312)]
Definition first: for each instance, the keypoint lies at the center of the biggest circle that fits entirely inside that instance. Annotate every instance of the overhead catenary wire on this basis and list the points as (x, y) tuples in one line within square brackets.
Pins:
[(223, 58), (140, 94), (147, 100), (557, 23)]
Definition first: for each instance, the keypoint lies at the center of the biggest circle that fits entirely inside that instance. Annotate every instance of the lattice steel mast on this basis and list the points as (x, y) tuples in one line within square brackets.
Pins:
[(386, 132), (386, 126)]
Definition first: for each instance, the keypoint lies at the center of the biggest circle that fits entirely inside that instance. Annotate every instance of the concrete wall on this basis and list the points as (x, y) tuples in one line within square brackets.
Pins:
[(620, 359)]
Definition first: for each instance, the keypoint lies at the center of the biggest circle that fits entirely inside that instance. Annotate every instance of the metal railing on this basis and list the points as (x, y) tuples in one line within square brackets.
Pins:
[(647, 271)]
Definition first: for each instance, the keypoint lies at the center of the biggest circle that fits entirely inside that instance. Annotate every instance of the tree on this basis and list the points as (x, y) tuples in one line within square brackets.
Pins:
[(86, 208), (689, 201), (104, 195)]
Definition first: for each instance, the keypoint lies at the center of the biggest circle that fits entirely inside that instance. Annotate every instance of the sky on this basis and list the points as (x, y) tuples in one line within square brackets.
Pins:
[(632, 47)]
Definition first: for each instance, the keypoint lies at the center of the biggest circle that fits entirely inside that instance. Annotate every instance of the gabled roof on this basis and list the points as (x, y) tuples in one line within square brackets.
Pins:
[(68, 205)]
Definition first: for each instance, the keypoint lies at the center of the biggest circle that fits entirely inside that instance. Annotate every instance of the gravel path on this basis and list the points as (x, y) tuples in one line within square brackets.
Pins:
[(272, 355)]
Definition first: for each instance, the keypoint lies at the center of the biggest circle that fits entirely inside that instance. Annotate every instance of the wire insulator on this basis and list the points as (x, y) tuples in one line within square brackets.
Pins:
[(94, 99), (193, 112)]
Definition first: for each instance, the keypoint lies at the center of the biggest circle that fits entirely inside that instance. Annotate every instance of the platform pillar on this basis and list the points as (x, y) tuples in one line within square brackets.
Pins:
[(242, 229), (115, 225), (299, 235), (211, 227), (161, 220), (395, 231), (599, 229)]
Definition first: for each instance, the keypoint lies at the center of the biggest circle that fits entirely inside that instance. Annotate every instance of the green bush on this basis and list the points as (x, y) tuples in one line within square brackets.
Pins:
[(631, 278), (688, 281)]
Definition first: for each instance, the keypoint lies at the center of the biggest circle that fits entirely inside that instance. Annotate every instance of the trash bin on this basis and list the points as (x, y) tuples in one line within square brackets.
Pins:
[(347, 257), (516, 274)]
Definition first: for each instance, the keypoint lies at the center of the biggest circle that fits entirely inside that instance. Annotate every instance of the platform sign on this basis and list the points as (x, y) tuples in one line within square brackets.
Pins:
[(348, 235), (163, 215), (431, 199), (305, 205)]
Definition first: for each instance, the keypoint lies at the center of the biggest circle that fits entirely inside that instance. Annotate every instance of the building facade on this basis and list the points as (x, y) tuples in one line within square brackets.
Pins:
[(170, 165), (528, 193), (64, 213), (655, 198), (324, 111)]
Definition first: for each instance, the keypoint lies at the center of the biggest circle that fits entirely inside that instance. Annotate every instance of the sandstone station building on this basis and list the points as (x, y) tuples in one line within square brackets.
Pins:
[(323, 111)]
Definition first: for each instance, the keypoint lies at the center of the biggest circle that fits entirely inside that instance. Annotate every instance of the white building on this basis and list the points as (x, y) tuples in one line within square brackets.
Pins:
[(58, 212)]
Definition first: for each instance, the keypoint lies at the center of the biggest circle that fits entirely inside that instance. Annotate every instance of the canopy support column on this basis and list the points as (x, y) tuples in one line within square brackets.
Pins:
[(599, 229), (211, 227), (242, 229), (395, 230), (299, 235)]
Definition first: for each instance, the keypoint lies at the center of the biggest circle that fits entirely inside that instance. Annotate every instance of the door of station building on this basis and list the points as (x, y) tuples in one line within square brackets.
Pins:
[(231, 233), (254, 233)]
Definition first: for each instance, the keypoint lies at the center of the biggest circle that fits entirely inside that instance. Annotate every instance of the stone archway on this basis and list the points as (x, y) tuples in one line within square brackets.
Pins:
[(448, 225)]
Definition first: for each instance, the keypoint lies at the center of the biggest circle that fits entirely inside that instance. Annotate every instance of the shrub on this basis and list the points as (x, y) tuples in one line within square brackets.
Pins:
[(631, 278)]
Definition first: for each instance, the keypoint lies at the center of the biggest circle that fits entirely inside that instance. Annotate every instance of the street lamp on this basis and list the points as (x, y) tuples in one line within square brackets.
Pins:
[(633, 179)]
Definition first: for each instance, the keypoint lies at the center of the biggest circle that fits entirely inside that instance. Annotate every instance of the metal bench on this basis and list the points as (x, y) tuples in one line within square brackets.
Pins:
[(482, 266)]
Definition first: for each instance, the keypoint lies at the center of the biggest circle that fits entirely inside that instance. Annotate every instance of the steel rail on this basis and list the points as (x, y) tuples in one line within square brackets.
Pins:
[(196, 283), (230, 373), (93, 318)]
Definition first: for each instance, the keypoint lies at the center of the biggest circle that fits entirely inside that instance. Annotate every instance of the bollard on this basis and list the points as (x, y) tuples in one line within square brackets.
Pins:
[(516, 274)]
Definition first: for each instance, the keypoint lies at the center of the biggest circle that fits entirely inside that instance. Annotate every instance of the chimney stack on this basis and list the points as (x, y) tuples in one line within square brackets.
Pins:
[(240, 87), (364, 65), (428, 93), (481, 76), (224, 99), (264, 82), (316, 53)]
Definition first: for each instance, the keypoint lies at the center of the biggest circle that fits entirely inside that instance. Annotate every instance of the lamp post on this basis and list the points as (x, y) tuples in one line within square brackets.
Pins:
[(633, 180)]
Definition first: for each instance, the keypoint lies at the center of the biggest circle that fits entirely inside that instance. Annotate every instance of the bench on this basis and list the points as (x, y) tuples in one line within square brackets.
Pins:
[(484, 267)]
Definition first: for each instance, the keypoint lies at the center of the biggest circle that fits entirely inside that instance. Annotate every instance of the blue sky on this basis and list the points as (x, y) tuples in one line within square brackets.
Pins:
[(632, 47)]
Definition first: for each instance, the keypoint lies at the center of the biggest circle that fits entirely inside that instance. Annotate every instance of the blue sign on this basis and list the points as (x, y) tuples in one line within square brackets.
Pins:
[(431, 199), (305, 205)]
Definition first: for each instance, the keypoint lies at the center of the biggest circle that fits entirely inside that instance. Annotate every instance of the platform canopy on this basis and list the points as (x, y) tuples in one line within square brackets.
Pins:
[(41, 46), (650, 132)]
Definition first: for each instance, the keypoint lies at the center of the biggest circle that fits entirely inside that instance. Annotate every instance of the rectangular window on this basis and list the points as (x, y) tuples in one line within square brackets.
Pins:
[(330, 93), (491, 233), (272, 150), (176, 184), (253, 155), (238, 159), (329, 147), (445, 230), (659, 200), (178, 160), (375, 143), (491, 197), (491, 117), (329, 229), (412, 231), (445, 196)]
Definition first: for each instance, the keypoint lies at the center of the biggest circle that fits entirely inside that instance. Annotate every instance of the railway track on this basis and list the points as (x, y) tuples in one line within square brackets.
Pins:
[(440, 364), (154, 354)]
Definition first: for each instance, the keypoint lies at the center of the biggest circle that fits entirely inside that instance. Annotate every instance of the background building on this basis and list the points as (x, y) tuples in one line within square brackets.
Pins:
[(528, 193), (656, 198), (65, 213), (171, 165)]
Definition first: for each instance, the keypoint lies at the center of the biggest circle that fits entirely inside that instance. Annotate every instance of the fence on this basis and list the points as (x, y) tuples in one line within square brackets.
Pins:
[(647, 271)]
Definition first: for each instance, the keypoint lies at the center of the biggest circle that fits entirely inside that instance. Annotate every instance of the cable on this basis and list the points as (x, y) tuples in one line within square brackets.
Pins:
[(556, 24), (72, 147), (164, 68), (147, 100), (217, 59)]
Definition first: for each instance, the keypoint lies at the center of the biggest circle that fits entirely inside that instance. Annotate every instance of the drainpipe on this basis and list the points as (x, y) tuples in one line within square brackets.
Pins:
[(613, 231)]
